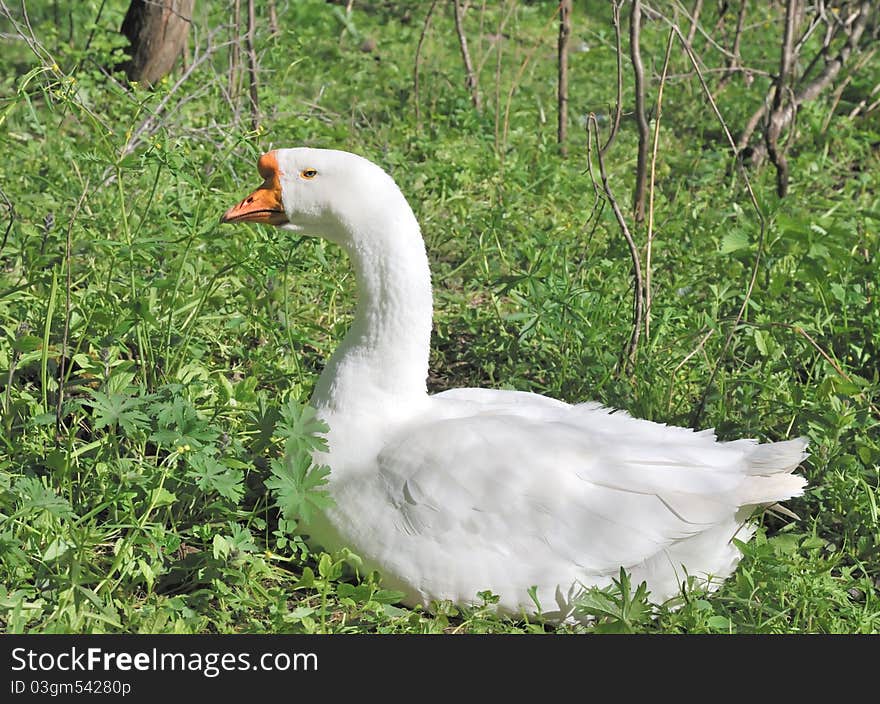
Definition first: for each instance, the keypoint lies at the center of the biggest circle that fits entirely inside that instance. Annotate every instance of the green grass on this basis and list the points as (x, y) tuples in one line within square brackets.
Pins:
[(158, 499)]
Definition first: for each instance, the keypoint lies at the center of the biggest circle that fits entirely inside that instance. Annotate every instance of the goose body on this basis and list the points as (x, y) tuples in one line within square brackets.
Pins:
[(451, 494)]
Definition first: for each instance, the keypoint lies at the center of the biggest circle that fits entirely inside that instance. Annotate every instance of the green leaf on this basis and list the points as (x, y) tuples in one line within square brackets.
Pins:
[(27, 343), (297, 484), (307, 581), (118, 410), (57, 548), (301, 428), (733, 241), (220, 547), (760, 341), (719, 623), (160, 496), (212, 475)]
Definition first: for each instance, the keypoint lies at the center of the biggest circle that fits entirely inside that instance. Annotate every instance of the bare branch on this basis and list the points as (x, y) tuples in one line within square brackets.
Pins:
[(470, 76), (153, 122), (562, 86), (252, 68), (632, 346), (235, 49), (273, 18), (733, 62), (698, 411), (11, 208), (635, 24), (618, 108), (425, 28), (695, 20), (832, 68), (650, 242), (69, 285)]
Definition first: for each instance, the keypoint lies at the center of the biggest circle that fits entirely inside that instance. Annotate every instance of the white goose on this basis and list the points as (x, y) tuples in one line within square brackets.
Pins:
[(474, 489)]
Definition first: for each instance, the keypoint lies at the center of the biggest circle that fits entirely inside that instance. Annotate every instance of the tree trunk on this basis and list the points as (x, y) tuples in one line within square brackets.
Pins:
[(157, 30)]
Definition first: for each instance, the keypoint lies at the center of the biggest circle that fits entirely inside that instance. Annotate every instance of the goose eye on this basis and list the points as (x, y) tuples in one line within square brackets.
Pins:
[(308, 173)]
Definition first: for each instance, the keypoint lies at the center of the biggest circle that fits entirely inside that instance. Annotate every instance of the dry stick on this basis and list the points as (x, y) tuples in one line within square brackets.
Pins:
[(470, 76), (775, 123), (234, 49), (635, 24), (761, 221), (835, 101), (511, 6), (499, 47), (11, 208), (348, 6), (838, 94), (733, 63), (633, 344), (40, 51), (425, 28), (819, 16), (656, 143), (598, 201), (562, 85), (64, 339), (737, 37), (861, 107), (690, 354), (273, 18), (652, 13), (695, 20), (252, 67), (618, 108), (800, 331)]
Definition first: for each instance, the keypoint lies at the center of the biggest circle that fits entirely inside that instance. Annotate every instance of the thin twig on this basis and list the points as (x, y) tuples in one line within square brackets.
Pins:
[(656, 144), (68, 287), (470, 76), (698, 412), (235, 49), (562, 83), (618, 108), (803, 333), (518, 77), (733, 63), (862, 105), (635, 24), (345, 25), (695, 21), (252, 67), (684, 361), (273, 18), (499, 34), (11, 208), (418, 57), (632, 346)]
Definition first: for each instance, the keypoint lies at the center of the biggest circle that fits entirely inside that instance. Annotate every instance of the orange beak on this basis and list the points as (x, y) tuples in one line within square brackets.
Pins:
[(264, 204)]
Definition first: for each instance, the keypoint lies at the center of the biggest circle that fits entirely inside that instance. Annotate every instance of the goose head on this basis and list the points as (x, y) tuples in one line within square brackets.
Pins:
[(336, 195)]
